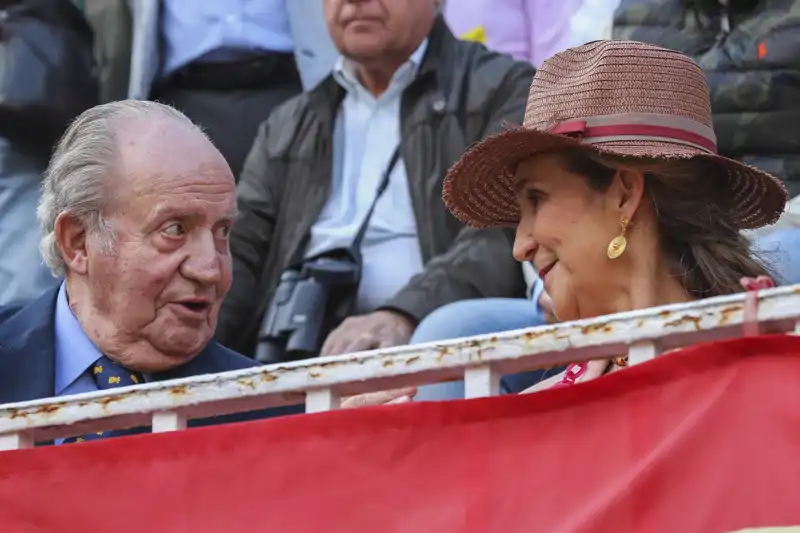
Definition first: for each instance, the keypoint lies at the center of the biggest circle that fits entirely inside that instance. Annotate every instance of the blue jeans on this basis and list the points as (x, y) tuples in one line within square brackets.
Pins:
[(477, 317)]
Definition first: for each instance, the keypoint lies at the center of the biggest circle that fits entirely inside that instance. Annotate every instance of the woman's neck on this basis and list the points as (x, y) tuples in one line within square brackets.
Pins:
[(643, 280), (649, 289)]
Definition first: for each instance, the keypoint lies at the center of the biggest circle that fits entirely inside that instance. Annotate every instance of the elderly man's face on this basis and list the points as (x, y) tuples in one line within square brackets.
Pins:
[(366, 30), (162, 285)]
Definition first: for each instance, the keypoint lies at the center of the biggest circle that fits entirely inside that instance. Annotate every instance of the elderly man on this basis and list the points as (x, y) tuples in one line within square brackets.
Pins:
[(403, 102), (136, 210)]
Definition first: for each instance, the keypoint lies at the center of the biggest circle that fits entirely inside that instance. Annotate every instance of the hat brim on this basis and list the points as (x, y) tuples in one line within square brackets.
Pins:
[(479, 188)]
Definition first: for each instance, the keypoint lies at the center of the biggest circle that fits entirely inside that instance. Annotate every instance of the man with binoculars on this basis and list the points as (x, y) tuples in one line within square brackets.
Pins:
[(342, 242)]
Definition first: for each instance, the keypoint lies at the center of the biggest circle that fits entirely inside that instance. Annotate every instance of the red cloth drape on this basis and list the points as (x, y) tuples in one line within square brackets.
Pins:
[(702, 440)]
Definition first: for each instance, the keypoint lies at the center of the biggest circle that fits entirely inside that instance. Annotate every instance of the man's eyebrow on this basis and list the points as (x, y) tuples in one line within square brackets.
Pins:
[(163, 212)]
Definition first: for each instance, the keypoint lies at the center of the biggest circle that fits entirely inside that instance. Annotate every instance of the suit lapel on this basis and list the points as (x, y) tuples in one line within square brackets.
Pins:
[(27, 351)]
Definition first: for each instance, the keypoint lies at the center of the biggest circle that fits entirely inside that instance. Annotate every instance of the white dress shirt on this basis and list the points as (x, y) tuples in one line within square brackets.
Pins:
[(367, 133)]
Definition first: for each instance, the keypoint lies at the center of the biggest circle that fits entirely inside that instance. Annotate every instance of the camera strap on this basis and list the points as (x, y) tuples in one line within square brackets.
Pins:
[(382, 186)]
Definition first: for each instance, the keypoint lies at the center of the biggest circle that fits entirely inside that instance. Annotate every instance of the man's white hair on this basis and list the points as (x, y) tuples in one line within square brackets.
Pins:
[(83, 165)]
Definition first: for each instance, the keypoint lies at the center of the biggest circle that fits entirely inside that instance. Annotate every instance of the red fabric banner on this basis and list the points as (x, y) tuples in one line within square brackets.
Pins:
[(702, 440)]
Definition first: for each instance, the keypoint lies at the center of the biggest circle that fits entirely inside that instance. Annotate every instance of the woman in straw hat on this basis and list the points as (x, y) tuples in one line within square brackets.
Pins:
[(615, 187)]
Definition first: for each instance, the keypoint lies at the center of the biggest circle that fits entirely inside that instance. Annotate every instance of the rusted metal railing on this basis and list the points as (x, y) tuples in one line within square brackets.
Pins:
[(320, 383)]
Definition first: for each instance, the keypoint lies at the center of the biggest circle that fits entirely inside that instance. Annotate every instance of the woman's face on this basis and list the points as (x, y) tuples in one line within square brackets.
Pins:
[(564, 230)]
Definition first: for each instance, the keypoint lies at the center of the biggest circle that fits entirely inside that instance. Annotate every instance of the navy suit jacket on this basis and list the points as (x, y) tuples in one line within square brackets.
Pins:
[(27, 360)]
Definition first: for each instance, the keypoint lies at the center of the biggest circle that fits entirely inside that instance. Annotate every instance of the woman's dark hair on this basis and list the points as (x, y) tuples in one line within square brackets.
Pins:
[(696, 222)]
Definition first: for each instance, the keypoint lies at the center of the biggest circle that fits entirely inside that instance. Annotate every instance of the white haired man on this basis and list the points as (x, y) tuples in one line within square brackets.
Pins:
[(136, 210)]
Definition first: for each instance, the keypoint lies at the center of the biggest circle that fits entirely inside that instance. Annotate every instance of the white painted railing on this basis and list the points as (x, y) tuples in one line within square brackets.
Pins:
[(479, 361)]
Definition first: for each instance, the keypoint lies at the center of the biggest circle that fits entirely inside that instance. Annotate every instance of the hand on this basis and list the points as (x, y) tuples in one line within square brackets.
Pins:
[(380, 329), (380, 398), (754, 284), (594, 369), (750, 326)]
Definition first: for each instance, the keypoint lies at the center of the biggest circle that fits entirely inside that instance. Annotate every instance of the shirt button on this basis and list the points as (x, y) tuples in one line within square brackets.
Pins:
[(232, 19)]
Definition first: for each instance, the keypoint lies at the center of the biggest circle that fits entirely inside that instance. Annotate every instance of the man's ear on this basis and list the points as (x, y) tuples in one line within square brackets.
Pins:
[(70, 233), (629, 191)]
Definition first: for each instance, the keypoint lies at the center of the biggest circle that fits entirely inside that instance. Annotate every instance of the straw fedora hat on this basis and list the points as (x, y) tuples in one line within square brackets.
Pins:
[(624, 98)]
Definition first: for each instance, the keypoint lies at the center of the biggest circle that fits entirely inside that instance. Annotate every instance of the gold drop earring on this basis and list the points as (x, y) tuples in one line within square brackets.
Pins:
[(618, 244)]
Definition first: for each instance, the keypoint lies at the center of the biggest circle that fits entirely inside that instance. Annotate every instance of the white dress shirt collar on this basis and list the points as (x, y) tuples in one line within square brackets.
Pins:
[(344, 72)]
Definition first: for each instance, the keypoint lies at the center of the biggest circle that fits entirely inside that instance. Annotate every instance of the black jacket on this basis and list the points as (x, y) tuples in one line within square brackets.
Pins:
[(462, 93)]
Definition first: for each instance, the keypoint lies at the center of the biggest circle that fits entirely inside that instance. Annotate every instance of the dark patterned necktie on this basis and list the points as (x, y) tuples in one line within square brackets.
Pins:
[(108, 375)]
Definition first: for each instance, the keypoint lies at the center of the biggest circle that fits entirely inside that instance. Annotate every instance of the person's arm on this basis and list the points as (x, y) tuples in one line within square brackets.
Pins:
[(508, 28), (479, 263), (257, 196)]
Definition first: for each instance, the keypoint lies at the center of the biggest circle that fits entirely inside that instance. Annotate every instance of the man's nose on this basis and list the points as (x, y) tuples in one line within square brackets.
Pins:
[(203, 263), (524, 245)]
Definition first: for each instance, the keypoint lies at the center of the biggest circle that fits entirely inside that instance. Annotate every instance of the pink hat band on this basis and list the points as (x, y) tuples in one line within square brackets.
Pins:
[(638, 127)]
